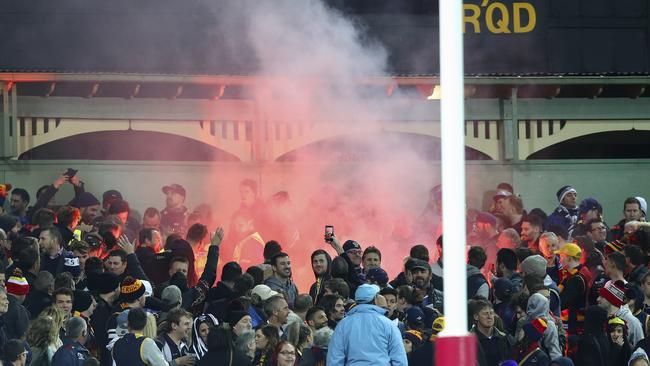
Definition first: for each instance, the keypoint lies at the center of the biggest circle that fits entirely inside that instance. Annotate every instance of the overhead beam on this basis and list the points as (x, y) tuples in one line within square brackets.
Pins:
[(384, 80), (244, 110)]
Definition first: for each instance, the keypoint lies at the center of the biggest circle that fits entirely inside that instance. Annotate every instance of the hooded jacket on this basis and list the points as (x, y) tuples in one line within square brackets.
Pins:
[(476, 283), (634, 329), (286, 287), (639, 353), (563, 217), (538, 307), (593, 345), (366, 337), (316, 289)]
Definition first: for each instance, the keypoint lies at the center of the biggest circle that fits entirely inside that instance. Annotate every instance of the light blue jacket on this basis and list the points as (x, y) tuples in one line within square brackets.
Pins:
[(366, 337)]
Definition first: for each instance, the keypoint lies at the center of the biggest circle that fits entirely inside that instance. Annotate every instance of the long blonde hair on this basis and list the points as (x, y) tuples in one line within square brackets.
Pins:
[(41, 332), (150, 329), (57, 315)]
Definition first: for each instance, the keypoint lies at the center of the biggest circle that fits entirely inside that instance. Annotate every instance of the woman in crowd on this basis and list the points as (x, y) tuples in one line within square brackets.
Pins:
[(58, 318), (285, 355), (201, 327), (317, 355), (300, 335), (266, 339), (620, 349), (42, 336), (151, 330)]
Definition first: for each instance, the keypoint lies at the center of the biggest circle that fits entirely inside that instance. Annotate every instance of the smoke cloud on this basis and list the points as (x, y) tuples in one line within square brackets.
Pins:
[(370, 185)]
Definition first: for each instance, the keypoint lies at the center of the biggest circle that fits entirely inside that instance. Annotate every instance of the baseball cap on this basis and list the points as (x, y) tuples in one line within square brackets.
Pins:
[(377, 274), (414, 263), (414, 315), (264, 292), (366, 293), (570, 249), (500, 193), (174, 187), (111, 194), (350, 245)]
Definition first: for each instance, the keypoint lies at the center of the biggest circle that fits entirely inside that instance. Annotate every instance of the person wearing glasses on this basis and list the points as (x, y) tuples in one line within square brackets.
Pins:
[(589, 209), (15, 353), (285, 355)]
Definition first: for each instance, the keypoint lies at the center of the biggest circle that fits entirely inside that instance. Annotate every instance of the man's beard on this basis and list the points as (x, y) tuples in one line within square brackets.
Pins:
[(420, 283)]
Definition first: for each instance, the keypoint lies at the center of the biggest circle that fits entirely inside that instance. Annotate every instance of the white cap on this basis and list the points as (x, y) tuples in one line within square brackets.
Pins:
[(643, 204), (264, 292), (148, 289), (501, 193)]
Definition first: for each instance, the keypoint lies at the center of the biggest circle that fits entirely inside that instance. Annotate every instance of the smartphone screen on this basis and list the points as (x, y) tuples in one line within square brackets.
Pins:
[(329, 232)]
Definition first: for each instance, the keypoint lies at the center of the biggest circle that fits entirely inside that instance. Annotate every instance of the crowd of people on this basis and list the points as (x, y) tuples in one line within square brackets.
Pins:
[(95, 283)]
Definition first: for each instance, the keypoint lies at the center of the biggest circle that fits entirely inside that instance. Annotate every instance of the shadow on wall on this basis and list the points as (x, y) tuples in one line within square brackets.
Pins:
[(128, 145), (631, 144)]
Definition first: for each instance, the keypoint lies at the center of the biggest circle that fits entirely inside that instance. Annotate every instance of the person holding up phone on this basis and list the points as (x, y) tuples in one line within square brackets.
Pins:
[(352, 253), (45, 194)]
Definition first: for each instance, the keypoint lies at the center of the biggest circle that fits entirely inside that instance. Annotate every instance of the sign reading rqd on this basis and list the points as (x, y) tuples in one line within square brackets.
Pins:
[(499, 17)]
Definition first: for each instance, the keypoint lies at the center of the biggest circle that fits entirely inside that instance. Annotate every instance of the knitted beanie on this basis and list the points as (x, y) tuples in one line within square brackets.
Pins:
[(614, 292), (131, 290), (563, 192), (17, 283), (103, 283), (82, 301)]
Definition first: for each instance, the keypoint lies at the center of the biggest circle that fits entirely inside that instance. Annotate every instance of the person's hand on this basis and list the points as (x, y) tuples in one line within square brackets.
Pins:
[(75, 181), (334, 242), (60, 180), (632, 227), (185, 361), (217, 237), (124, 243), (86, 228), (619, 341)]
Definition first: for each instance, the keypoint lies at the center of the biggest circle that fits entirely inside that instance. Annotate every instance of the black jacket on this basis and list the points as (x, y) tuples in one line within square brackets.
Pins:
[(36, 302), (498, 345), (355, 277), (224, 358), (423, 356), (133, 269), (16, 319), (154, 266), (593, 350)]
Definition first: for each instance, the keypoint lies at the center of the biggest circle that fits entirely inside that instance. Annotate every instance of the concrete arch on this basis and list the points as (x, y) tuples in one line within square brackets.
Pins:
[(127, 145), (532, 143), (630, 144), (482, 136), (228, 136)]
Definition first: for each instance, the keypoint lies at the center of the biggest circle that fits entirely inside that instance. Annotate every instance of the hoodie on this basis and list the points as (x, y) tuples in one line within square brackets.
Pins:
[(316, 289), (538, 307), (634, 329), (639, 353), (476, 283)]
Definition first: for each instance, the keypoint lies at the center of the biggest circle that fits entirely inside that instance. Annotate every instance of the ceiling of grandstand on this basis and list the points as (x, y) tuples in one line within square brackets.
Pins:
[(182, 37)]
